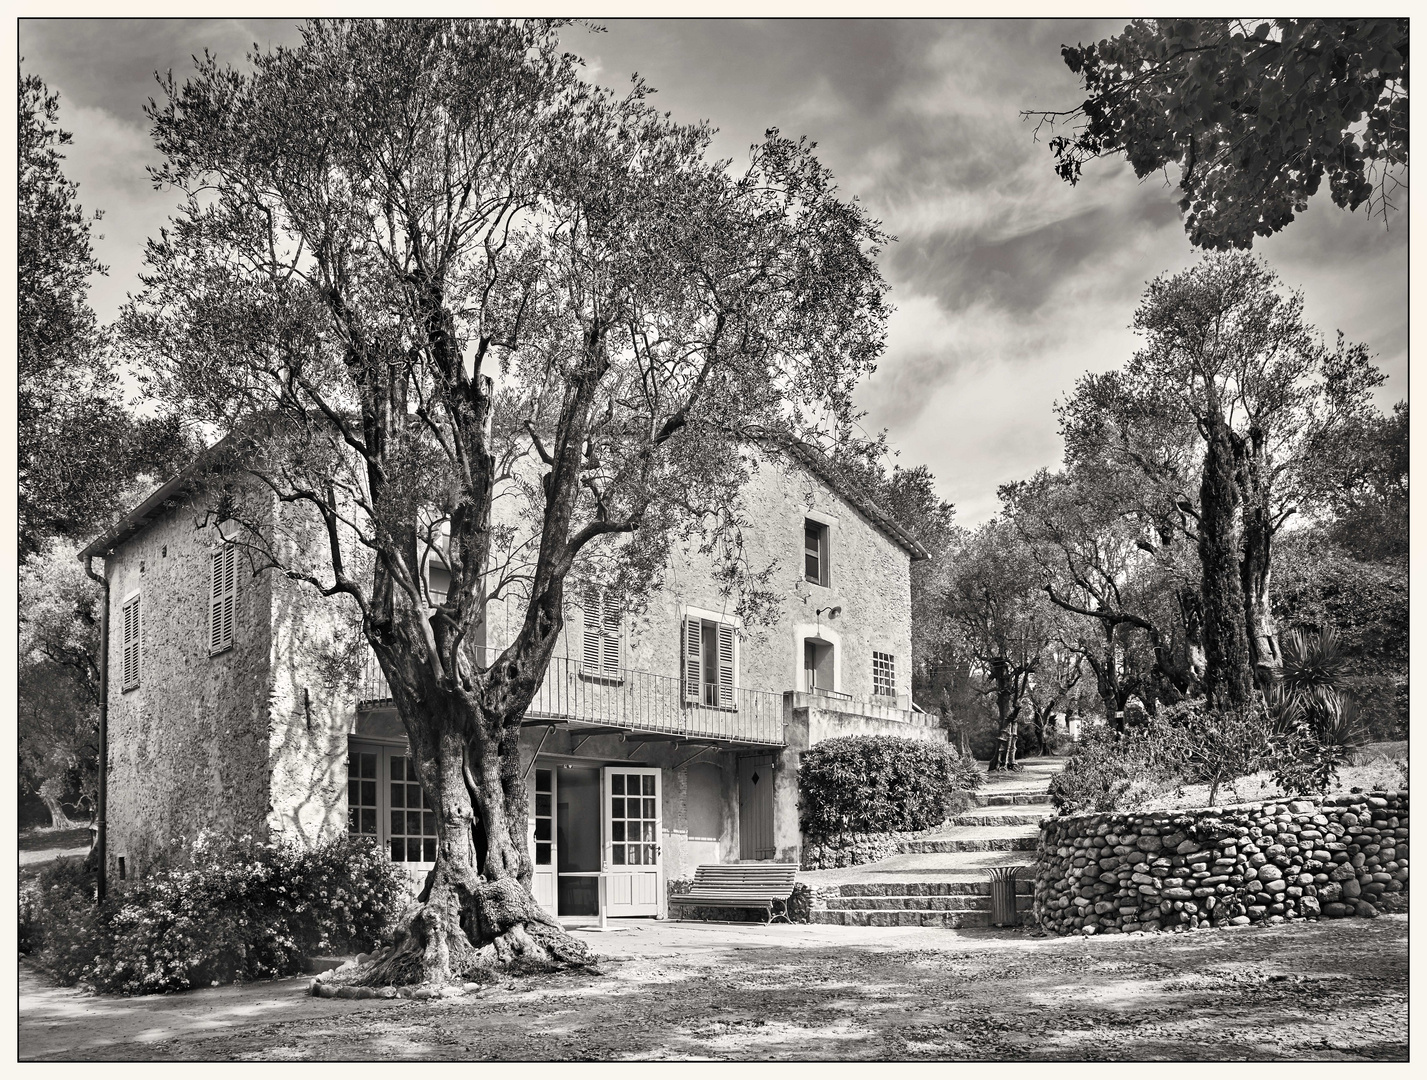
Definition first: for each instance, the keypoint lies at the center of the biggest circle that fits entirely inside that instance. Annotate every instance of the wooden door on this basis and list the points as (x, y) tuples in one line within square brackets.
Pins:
[(633, 856), (543, 838), (755, 808)]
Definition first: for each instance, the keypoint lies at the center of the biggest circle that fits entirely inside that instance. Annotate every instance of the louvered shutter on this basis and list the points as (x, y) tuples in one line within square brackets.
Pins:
[(609, 634), (222, 597), (725, 666), (592, 649), (131, 643), (230, 591), (693, 660)]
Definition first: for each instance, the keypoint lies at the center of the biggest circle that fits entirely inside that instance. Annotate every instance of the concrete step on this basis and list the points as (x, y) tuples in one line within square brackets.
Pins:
[(920, 903), (979, 843), (949, 920), (923, 888)]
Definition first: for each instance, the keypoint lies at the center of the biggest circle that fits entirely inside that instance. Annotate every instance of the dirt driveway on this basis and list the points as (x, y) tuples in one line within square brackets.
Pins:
[(1330, 990)]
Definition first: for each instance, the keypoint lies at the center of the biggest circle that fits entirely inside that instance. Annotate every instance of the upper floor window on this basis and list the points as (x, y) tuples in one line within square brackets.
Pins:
[(710, 666), (133, 636), (815, 552), (600, 655), (884, 675), (222, 597)]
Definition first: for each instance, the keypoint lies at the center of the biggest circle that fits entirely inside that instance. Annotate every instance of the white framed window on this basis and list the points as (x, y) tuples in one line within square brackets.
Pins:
[(815, 553), (222, 598), (133, 638), (884, 674), (599, 655), (710, 662)]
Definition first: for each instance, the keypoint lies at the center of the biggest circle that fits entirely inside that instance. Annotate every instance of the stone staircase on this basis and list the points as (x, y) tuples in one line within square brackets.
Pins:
[(940, 879)]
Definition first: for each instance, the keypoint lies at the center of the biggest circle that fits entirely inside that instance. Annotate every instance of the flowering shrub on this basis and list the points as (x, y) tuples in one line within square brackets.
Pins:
[(879, 783), (220, 912)]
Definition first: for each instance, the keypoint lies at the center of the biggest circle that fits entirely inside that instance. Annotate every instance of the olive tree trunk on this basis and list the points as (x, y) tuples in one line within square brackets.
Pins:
[(475, 911)]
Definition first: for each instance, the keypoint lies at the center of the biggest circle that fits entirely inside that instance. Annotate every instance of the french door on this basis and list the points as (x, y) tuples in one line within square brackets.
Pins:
[(633, 859), (385, 801), (543, 837)]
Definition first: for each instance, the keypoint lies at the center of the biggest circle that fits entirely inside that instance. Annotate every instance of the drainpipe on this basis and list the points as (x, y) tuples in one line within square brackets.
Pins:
[(101, 839)]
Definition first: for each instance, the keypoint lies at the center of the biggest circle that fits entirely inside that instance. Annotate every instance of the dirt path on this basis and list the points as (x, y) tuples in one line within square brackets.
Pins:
[(1331, 990)]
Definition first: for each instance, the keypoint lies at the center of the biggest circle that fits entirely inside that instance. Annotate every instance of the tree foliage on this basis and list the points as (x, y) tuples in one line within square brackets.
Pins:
[(78, 447), (423, 266), (1254, 113)]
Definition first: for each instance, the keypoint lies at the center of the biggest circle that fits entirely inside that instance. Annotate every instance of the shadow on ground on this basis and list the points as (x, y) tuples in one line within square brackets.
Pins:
[(1316, 991)]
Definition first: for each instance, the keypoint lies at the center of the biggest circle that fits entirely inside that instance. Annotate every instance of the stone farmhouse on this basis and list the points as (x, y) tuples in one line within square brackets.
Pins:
[(658, 741)]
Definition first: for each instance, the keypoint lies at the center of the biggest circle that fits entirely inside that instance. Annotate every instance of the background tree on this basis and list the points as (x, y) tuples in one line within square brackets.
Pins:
[(423, 265), (1359, 483), (58, 690), (1229, 357), (998, 615), (78, 447), (1101, 556), (1255, 114)]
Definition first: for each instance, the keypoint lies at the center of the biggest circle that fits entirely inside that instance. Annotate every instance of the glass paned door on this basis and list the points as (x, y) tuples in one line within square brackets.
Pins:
[(542, 837), (412, 834), (633, 861), (362, 805)]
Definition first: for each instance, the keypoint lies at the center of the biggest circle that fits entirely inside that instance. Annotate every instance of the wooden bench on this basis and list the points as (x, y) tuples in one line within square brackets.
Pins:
[(742, 885)]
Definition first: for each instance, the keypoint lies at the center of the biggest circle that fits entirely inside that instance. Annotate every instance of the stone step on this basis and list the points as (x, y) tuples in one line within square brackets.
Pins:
[(1031, 799), (979, 843), (922, 888), (949, 920), (973, 902), (1018, 816)]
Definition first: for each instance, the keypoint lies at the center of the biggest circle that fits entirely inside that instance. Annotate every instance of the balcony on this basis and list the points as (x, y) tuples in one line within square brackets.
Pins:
[(628, 700)]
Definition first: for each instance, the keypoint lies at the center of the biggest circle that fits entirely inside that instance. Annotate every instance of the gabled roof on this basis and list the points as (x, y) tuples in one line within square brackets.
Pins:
[(136, 519), (818, 464)]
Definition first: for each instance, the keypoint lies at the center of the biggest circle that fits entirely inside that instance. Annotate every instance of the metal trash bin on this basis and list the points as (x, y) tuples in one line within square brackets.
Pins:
[(1003, 895)]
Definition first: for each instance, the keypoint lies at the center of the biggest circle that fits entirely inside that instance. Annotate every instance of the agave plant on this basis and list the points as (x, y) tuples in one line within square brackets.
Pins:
[(1309, 690)]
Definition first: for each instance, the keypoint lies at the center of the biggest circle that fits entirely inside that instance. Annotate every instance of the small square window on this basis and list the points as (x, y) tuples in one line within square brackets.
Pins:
[(815, 560)]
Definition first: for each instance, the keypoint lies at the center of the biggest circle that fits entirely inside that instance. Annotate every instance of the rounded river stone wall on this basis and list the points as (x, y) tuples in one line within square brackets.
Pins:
[(1266, 862)]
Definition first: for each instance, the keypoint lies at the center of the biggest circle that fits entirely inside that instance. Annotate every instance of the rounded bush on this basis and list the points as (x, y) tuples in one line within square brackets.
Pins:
[(879, 783)]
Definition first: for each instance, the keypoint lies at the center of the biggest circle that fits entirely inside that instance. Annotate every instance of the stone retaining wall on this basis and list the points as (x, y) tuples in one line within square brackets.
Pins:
[(1256, 863)]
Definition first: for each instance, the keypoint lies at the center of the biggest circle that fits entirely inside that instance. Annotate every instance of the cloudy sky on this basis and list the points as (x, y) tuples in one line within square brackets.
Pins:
[(1008, 283)]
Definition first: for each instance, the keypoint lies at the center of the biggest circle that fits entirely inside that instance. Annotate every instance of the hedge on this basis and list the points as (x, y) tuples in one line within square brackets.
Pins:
[(879, 783)]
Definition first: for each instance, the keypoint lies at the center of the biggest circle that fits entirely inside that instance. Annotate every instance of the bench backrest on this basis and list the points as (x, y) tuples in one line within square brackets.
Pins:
[(775, 878)]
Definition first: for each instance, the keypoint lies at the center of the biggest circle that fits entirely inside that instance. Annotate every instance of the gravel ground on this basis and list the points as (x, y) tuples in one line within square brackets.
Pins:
[(1314, 991)]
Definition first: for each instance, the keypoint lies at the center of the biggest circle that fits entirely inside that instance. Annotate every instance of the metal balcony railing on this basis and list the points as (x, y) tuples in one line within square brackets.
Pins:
[(630, 699)]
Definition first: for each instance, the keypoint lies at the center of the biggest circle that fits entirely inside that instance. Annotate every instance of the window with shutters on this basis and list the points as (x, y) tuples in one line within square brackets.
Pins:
[(133, 638), (222, 598), (815, 561), (884, 675), (599, 657), (710, 663)]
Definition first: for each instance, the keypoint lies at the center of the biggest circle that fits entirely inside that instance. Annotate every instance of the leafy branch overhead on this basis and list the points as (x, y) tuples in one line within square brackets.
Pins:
[(1255, 113)]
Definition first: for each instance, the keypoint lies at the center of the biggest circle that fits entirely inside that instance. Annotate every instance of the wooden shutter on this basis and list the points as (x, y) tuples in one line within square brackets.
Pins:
[(725, 666), (693, 660), (132, 631), (592, 649), (609, 633), (222, 597)]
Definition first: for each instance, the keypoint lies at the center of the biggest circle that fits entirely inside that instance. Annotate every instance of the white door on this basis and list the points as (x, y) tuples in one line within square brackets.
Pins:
[(543, 851), (411, 831), (633, 863)]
